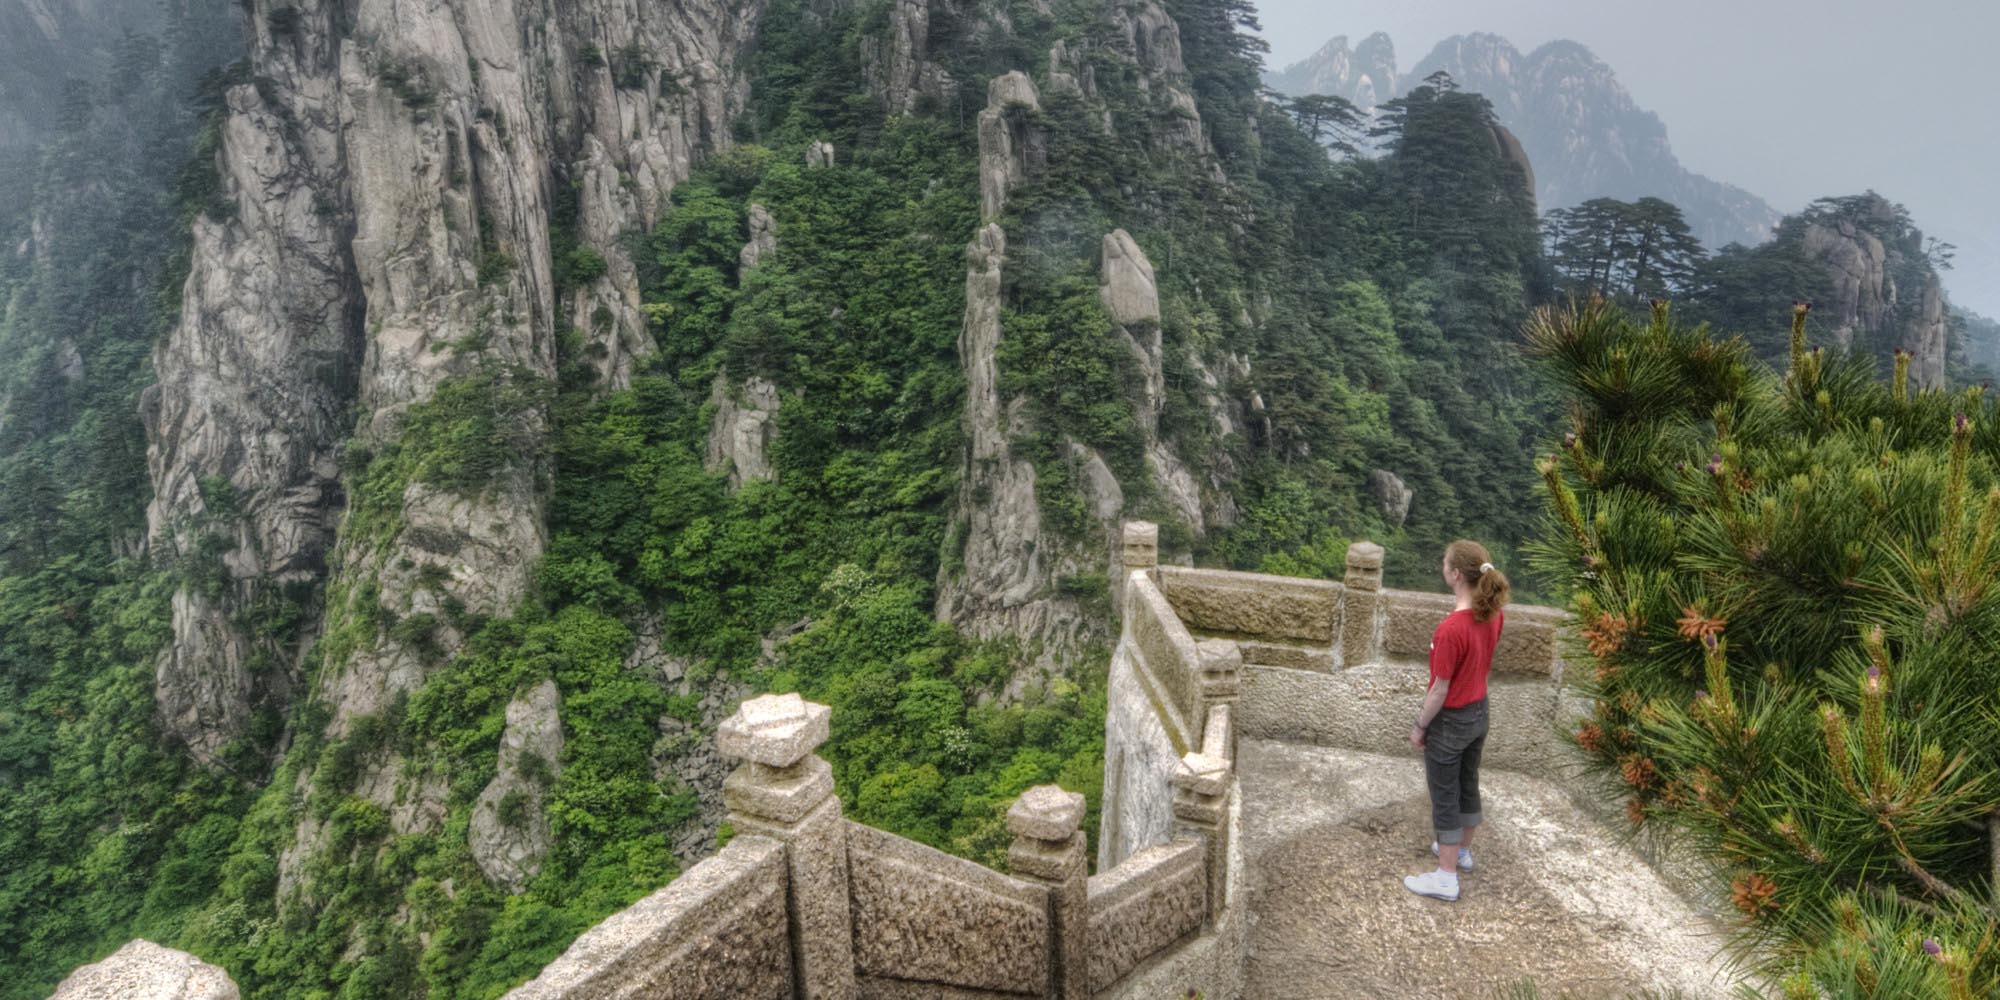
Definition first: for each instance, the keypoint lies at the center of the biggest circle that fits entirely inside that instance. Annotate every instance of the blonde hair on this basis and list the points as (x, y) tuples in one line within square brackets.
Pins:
[(1475, 564)]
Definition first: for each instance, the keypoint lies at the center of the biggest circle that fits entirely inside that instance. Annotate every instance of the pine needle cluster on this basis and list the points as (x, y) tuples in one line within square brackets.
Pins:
[(1788, 606)]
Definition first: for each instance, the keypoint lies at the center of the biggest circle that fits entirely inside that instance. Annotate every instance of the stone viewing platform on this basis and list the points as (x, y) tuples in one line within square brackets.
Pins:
[(1260, 805)]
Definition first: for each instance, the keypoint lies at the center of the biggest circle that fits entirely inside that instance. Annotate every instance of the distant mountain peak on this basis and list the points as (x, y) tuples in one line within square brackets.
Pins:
[(1577, 123)]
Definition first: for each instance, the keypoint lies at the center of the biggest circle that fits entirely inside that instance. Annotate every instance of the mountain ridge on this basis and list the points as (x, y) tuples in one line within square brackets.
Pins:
[(1582, 131)]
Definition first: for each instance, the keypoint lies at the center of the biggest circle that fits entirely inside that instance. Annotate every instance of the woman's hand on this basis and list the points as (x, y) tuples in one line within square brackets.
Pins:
[(1416, 737)]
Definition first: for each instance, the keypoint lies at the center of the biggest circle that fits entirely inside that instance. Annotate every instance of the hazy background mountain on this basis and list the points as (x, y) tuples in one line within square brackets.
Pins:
[(1789, 102), (1583, 133)]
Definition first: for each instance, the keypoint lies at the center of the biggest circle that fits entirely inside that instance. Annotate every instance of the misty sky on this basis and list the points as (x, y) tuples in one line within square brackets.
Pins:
[(1791, 100)]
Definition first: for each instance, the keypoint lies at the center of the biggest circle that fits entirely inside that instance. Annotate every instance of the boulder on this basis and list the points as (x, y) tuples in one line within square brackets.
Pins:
[(1125, 282), (509, 833), (143, 970), (1392, 494)]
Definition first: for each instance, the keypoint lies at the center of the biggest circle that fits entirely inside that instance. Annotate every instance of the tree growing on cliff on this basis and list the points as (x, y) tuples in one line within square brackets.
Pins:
[(1642, 249), (1787, 587)]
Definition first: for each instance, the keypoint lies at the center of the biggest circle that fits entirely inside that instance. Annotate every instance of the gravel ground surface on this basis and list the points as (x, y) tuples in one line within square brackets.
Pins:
[(1329, 835)]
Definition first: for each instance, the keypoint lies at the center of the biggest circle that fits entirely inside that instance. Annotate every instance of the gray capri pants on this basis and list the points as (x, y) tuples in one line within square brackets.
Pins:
[(1452, 745)]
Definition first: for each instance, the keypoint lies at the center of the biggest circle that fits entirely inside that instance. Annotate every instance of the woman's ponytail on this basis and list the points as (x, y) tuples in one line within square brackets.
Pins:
[(1489, 586)]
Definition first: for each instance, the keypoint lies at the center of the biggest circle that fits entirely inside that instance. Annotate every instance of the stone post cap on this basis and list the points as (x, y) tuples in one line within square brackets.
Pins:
[(1202, 774), (777, 730), (1046, 812), (1144, 534), (1364, 555)]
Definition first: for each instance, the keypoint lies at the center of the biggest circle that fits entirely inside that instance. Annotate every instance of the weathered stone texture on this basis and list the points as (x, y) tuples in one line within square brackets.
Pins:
[(776, 730), (744, 428), (1348, 709), (716, 932), (1136, 810), (1527, 639), (510, 849), (142, 970), (1167, 653), (1125, 282), (1045, 812), (1257, 604), (1392, 495), (1149, 902), (816, 859), (763, 239), (1008, 148), (927, 917), (1285, 654), (1411, 619)]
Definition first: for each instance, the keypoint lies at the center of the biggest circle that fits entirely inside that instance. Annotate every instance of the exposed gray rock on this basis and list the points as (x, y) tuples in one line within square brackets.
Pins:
[(1392, 495), (393, 169), (819, 154), (69, 361), (1010, 147), (740, 437), (1854, 261), (1866, 297), (763, 239), (1069, 70), (1366, 75), (897, 63), (1125, 282), (1002, 562), (1511, 150), (143, 970), (1177, 485), (1099, 484), (509, 832), (253, 390), (1575, 121)]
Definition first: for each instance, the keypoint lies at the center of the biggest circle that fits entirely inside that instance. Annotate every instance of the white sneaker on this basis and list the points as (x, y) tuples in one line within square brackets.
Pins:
[(1433, 883), (1464, 857)]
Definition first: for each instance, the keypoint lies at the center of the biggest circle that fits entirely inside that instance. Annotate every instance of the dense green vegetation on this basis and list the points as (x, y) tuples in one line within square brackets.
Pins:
[(1637, 252), (1789, 586), (104, 831), (1358, 293), (1370, 306)]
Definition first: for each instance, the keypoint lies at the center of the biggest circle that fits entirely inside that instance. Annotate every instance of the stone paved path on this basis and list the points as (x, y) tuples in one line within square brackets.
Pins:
[(1328, 835)]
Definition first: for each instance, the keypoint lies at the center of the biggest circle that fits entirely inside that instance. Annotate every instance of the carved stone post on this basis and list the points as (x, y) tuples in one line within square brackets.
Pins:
[(1142, 545), (1220, 683), (784, 791), (1048, 848), (1363, 603), (1139, 550), (1202, 784)]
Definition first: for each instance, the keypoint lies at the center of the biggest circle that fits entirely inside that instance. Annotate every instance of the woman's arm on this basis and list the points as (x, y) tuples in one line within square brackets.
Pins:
[(1433, 704)]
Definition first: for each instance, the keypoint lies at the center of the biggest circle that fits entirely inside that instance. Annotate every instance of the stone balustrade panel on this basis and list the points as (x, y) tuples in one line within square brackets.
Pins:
[(1288, 608), (1167, 655), (716, 933), (922, 916), (1153, 901)]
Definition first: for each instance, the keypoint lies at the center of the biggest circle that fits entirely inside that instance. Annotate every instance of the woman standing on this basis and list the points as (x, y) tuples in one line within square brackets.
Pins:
[(1451, 727)]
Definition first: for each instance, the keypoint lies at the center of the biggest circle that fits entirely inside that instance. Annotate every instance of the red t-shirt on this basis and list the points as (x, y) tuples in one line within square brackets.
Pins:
[(1462, 654)]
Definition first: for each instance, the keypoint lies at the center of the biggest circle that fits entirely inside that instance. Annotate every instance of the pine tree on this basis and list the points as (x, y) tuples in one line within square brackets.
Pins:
[(1332, 121), (1788, 595)]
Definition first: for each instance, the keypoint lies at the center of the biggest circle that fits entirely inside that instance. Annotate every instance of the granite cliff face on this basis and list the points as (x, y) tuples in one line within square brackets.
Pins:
[(394, 173), (1008, 562), (1884, 292), (1576, 123)]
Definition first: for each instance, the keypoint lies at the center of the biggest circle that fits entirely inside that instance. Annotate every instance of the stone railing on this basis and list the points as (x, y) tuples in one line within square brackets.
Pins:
[(1334, 663), (805, 904)]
